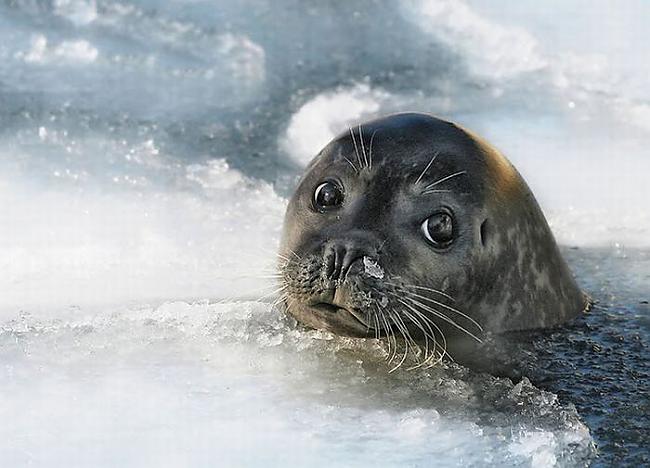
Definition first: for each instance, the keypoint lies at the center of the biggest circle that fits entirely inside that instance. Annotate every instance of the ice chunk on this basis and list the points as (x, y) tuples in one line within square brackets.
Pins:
[(71, 52), (327, 114), (372, 268)]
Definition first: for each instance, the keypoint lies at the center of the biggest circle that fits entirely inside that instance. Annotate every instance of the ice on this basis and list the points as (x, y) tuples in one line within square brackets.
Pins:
[(490, 49), (245, 59), (198, 383), (321, 118), (78, 12), (147, 153), (372, 268), (79, 52)]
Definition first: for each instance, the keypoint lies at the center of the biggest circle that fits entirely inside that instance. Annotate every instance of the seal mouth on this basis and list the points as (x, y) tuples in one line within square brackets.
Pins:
[(327, 307), (337, 311), (334, 309)]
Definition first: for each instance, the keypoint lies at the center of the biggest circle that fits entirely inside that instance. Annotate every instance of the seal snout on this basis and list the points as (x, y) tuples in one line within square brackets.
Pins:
[(340, 256)]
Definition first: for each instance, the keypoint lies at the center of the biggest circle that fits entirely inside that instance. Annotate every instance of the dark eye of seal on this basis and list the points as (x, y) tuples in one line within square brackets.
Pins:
[(328, 195), (439, 229)]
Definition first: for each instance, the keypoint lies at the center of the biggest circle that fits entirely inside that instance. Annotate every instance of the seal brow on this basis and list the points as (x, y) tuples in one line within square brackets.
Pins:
[(428, 188), (426, 168)]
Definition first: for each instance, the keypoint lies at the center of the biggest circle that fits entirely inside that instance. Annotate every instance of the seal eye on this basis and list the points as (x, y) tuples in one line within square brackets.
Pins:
[(328, 195), (439, 229)]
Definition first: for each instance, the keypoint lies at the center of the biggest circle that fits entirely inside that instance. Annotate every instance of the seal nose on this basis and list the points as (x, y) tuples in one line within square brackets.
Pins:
[(340, 255)]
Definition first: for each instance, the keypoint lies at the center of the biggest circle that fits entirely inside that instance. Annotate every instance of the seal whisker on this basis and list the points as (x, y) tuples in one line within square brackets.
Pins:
[(431, 310), (363, 148), (389, 324), (372, 138), (281, 267), (376, 320), (389, 334), (427, 192), (399, 322), (282, 298), (406, 345), (419, 325), (351, 164), (442, 335), (401, 325), (444, 317), (289, 303), (427, 321), (442, 293), (275, 291), (356, 149), (409, 339), (439, 181), (295, 254), (426, 168), (414, 346), (283, 257), (393, 338), (263, 273), (428, 358), (445, 306)]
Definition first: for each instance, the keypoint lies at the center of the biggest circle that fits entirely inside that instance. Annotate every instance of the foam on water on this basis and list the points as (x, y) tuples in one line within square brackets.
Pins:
[(146, 154)]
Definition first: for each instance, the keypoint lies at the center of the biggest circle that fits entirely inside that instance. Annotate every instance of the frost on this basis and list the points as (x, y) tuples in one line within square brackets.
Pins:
[(372, 268)]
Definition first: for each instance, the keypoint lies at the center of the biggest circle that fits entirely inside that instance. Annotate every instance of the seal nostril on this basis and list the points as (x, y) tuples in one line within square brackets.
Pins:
[(338, 262), (333, 260), (329, 261), (351, 256), (484, 232)]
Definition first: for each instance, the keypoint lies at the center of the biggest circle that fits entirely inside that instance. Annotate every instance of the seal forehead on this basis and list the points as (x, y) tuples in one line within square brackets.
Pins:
[(409, 151), (403, 142), (504, 179)]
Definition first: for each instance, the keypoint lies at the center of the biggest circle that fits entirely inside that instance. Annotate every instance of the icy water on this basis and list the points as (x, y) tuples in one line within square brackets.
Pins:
[(147, 151)]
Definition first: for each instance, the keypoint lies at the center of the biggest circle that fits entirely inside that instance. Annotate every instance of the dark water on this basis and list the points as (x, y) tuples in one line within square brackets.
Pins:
[(599, 362)]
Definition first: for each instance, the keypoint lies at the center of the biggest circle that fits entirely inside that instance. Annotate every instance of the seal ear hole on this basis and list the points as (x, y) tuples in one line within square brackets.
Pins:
[(484, 232)]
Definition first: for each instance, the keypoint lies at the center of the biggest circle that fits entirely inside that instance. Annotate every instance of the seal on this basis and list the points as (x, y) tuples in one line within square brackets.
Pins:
[(412, 227)]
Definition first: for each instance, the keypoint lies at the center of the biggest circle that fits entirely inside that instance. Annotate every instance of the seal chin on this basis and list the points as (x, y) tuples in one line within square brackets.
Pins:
[(334, 318)]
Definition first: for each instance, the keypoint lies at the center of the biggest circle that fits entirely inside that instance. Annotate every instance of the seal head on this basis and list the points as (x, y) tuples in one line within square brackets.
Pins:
[(410, 225)]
